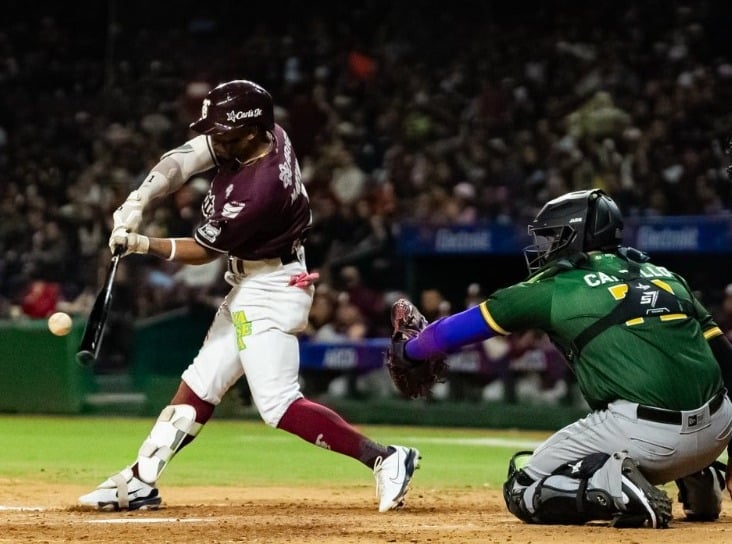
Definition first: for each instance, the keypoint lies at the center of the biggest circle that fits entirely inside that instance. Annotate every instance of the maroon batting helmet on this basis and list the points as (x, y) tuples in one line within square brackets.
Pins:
[(234, 105)]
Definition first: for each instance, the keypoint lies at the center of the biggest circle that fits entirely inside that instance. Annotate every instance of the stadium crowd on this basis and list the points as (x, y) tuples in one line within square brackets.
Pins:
[(398, 111)]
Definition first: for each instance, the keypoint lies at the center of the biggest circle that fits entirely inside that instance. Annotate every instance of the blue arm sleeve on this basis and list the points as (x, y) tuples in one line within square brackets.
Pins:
[(449, 334)]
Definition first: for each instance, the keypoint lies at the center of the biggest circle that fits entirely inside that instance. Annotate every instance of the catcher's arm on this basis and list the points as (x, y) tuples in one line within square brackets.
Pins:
[(450, 334)]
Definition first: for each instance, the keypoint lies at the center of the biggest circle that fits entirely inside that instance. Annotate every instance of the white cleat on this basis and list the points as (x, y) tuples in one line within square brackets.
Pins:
[(393, 475), (123, 491)]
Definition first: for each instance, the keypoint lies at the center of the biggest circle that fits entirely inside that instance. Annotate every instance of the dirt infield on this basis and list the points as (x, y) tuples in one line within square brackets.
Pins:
[(46, 513)]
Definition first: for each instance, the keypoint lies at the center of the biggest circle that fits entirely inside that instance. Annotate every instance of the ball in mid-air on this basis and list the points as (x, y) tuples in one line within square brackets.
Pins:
[(59, 324)]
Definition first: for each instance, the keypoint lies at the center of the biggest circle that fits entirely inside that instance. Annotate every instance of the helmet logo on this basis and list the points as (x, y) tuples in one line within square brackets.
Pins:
[(232, 116), (204, 108), (575, 220)]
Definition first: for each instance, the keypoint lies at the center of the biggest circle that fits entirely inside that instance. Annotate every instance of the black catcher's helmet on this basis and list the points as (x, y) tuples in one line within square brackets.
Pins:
[(575, 222), (234, 105)]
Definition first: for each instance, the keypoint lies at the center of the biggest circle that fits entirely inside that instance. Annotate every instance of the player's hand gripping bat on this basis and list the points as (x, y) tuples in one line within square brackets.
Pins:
[(94, 329)]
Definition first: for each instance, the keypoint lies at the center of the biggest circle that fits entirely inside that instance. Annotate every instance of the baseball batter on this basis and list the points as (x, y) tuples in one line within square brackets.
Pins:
[(257, 213), (648, 358)]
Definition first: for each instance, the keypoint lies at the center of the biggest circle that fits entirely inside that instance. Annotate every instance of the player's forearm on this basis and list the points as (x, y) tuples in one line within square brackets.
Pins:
[(182, 250), (449, 334), (175, 168)]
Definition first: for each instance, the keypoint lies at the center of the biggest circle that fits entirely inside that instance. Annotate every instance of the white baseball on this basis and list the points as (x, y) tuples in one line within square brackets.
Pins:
[(59, 324)]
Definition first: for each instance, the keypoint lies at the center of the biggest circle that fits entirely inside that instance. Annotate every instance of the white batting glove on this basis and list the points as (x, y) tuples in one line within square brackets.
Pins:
[(135, 243), (127, 218), (118, 238)]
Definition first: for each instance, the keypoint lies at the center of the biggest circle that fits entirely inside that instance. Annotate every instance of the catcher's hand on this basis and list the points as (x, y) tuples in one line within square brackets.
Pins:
[(412, 378)]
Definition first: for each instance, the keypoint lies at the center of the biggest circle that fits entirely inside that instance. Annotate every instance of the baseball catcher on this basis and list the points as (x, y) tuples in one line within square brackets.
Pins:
[(648, 357), (412, 378)]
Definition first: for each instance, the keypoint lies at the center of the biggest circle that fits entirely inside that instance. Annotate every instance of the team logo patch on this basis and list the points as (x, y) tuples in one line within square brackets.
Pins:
[(209, 231), (207, 206), (232, 209), (243, 328)]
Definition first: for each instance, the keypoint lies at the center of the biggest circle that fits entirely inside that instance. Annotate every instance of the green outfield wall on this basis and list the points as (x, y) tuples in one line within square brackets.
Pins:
[(39, 370), (41, 375)]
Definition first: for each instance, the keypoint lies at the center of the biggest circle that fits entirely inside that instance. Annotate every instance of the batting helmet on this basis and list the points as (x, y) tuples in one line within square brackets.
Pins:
[(572, 223), (234, 105)]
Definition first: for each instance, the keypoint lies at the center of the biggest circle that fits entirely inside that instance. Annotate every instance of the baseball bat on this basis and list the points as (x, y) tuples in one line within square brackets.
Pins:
[(91, 341)]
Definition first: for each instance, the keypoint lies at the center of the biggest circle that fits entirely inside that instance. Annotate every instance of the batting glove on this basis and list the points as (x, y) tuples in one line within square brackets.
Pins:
[(135, 243), (127, 218)]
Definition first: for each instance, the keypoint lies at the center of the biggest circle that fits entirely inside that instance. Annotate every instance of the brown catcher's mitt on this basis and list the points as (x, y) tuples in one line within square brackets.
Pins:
[(412, 378)]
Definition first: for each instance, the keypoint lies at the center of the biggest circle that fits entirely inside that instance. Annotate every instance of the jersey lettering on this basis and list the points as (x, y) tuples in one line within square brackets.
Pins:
[(290, 174), (651, 271), (593, 280)]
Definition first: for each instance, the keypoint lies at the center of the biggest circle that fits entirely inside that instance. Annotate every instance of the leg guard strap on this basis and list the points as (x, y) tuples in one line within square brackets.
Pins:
[(123, 495), (174, 424)]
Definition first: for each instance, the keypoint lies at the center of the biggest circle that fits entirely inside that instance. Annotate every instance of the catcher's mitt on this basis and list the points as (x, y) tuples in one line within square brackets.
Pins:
[(412, 378)]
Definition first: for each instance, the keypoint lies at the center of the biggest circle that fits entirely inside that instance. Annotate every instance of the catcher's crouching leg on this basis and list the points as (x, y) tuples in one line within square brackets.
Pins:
[(701, 492), (596, 487)]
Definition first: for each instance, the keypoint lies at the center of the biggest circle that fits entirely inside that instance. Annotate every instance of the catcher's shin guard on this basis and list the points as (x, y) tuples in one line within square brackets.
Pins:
[(596, 487), (175, 423)]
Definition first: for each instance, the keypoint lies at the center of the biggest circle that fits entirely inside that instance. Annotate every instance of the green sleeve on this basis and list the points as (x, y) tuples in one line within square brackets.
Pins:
[(522, 306)]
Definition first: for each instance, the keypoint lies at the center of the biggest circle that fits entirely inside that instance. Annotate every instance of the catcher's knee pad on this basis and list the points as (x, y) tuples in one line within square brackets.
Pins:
[(175, 423), (517, 482), (701, 493), (570, 495)]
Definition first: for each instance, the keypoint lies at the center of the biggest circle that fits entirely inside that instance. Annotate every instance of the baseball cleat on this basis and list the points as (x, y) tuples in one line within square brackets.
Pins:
[(123, 491), (647, 505), (393, 475)]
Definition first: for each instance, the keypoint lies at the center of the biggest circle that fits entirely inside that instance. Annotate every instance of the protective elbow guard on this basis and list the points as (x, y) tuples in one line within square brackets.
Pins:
[(174, 424)]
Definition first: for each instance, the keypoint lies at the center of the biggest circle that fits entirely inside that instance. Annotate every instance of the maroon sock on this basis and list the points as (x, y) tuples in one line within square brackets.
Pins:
[(321, 426)]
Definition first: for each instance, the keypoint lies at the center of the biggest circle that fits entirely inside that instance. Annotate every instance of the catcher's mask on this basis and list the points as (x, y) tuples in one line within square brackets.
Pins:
[(235, 105), (572, 223)]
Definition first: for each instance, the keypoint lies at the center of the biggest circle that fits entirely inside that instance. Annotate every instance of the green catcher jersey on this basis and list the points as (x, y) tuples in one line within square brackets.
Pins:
[(657, 355)]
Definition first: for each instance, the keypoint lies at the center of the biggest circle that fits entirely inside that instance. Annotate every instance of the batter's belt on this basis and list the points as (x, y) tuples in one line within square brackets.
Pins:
[(243, 267), (673, 417)]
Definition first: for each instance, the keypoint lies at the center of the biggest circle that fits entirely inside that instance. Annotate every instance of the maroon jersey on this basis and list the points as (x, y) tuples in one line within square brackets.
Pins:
[(257, 211)]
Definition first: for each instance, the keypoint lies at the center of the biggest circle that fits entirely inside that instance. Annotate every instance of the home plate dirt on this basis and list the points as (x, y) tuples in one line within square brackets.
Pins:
[(46, 513)]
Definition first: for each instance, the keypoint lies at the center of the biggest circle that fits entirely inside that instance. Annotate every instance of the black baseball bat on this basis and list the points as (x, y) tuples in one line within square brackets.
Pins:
[(91, 341)]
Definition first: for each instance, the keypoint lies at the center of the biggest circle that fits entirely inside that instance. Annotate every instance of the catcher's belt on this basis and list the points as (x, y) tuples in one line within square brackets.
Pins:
[(675, 417)]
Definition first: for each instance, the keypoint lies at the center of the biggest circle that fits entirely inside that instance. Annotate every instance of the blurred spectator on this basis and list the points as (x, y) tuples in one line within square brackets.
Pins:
[(348, 322), (433, 304), (390, 125), (723, 315), (370, 302), (321, 326), (40, 298), (537, 371)]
